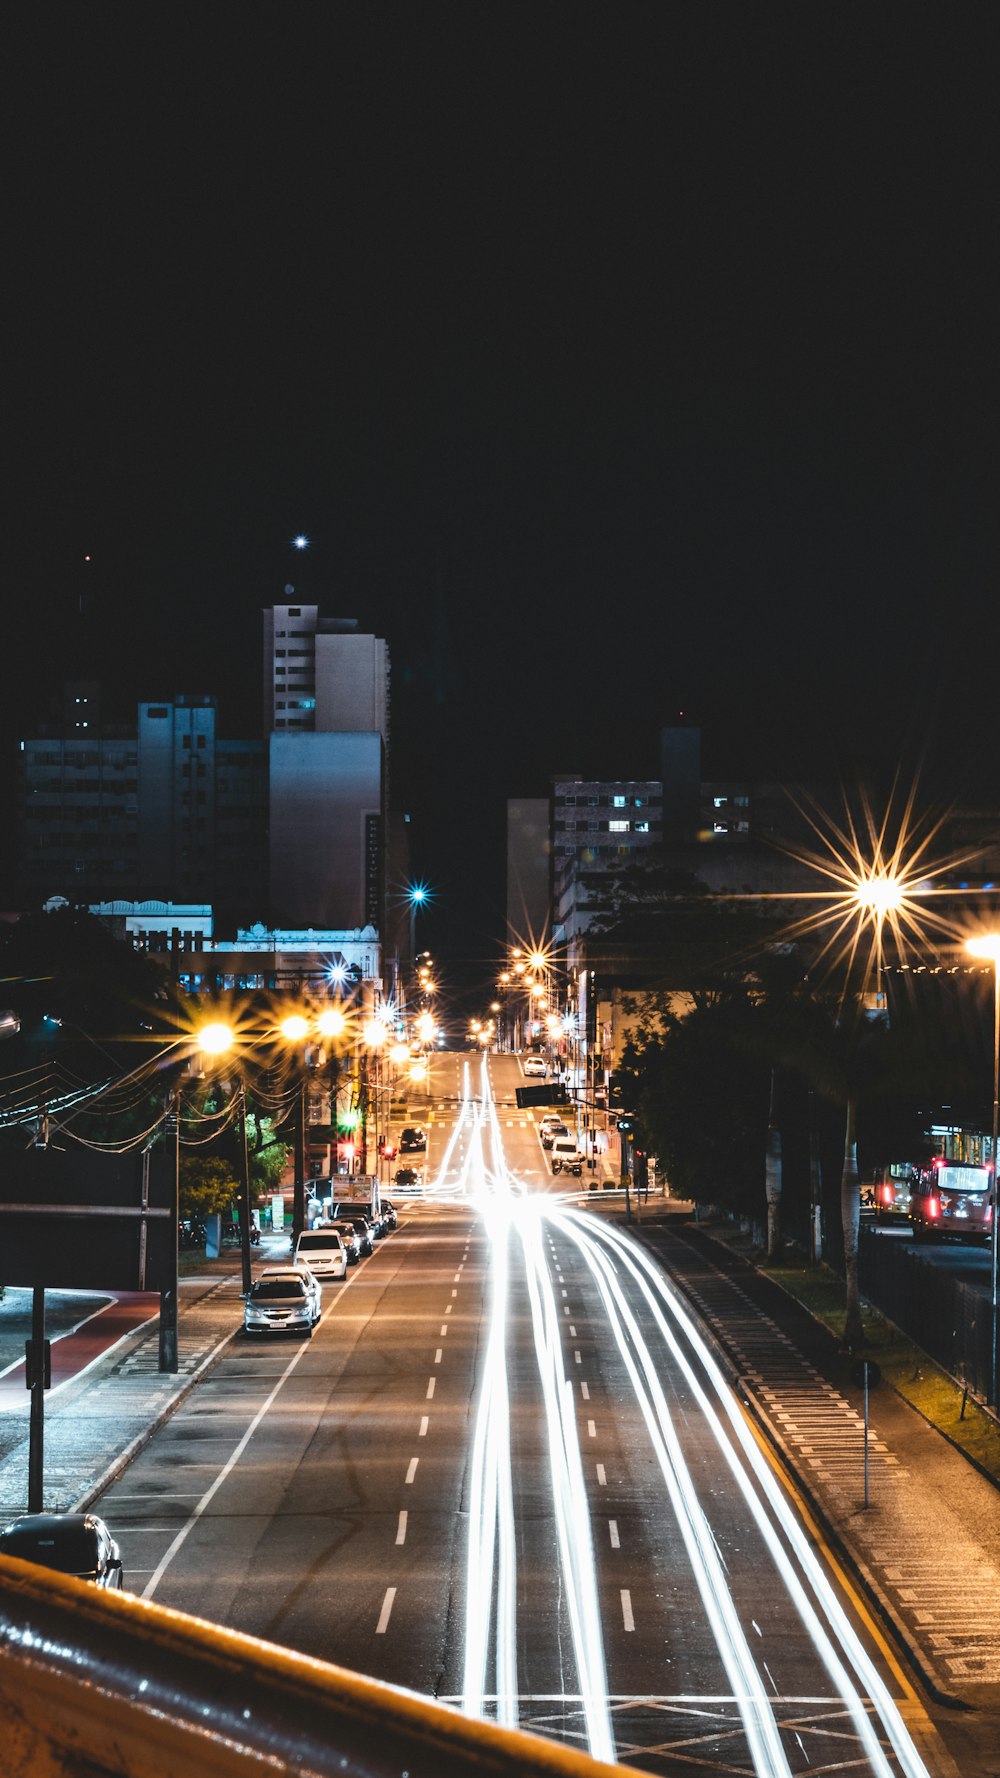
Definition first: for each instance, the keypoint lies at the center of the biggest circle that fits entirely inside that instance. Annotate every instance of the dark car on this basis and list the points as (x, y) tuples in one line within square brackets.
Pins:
[(413, 1140), (551, 1131), (350, 1234), (390, 1213), (71, 1543), (408, 1179), (365, 1231)]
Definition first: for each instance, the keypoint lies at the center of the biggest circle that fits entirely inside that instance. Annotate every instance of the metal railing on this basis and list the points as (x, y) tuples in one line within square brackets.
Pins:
[(100, 1683), (949, 1320)]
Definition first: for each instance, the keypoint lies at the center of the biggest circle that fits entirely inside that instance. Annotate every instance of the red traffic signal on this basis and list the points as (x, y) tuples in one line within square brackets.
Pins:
[(388, 1151)]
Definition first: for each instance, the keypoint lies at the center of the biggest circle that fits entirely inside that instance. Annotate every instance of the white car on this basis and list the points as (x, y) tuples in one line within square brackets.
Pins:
[(564, 1153), (323, 1252), (535, 1065), (283, 1299)]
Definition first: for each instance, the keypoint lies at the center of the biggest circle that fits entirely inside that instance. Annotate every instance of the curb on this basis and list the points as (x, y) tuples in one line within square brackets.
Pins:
[(121, 1462)]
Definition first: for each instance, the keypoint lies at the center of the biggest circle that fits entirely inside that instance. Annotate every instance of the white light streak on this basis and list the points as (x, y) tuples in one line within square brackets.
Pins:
[(516, 1222)]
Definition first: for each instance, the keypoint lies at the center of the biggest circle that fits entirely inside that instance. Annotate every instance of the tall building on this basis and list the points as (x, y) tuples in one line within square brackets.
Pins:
[(326, 715), (598, 828), (321, 675), (529, 869), (163, 809)]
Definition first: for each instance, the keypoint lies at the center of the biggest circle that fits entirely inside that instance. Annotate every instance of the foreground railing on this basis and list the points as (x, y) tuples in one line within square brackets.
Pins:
[(100, 1683)]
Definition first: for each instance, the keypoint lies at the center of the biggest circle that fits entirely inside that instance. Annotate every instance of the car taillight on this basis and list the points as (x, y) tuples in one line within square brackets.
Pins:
[(886, 1195), (933, 1207)]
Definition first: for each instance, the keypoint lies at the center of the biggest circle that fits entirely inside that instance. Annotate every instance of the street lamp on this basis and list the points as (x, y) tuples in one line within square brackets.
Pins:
[(215, 1040), (878, 897), (418, 894), (987, 947)]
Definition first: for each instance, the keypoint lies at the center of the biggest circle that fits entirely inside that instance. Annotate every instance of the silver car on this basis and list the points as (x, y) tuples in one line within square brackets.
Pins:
[(283, 1299)]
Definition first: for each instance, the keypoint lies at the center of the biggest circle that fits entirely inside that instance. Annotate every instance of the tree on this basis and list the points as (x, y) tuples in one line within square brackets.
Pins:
[(207, 1185)]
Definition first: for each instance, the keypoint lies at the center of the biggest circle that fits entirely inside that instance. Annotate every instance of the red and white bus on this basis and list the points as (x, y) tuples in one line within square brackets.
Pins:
[(952, 1198)]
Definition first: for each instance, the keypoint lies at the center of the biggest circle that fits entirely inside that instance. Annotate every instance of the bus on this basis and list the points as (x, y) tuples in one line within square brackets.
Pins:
[(952, 1199)]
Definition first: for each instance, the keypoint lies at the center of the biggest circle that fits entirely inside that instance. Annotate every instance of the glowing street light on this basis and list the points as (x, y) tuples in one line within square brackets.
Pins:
[(331, 1022), (418, 895), (215, 1039), (987, 947)]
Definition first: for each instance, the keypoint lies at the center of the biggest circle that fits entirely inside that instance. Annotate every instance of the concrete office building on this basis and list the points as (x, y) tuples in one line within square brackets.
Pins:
[(326, 714)]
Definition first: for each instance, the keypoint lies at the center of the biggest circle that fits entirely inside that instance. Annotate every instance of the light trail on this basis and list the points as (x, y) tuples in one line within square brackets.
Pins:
[(628, 1287), (653, 1285), (760, 1726)]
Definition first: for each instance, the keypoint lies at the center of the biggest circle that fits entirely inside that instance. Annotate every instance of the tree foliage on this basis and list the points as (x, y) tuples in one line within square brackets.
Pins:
[(208, 1185)]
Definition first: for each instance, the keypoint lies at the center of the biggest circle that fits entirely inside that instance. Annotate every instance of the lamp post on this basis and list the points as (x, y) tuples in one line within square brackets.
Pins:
[(987, 946), (296, 1030), (417, 894)]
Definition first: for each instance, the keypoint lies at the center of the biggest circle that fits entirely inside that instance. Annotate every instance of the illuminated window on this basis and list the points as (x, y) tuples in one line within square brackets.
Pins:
[(642, 827), (618, 827), (618, 802), (719, 802)]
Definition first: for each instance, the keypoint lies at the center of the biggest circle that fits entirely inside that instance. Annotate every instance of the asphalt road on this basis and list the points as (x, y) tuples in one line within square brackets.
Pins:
[(506, 1472)]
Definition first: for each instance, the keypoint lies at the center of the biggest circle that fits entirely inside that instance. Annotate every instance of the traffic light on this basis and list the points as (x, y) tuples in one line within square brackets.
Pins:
[(388, 1151)]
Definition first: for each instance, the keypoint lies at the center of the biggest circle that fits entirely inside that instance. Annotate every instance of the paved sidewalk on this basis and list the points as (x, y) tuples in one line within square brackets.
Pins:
[(95, 1422), (927, 1547)]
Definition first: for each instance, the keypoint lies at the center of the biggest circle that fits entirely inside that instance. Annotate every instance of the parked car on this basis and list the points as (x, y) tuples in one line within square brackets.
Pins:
[(952, 1198), (408, 1179), (413, 1139), (351, 1238), (535, 1065), (322, 1250), (71, 1543), (284, 1299), (365, 1230), (551, 1132), (390, 1210)]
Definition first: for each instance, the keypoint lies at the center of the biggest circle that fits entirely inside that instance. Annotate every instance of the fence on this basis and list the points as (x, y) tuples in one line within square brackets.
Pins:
[(950, 1321)]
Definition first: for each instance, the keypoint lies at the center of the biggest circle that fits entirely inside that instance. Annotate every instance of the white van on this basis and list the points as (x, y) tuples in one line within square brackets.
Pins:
[(323, 1251)]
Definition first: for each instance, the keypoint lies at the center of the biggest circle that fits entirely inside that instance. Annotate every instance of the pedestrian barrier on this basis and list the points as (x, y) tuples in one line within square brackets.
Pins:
[(949, 1320), (100, 1683)]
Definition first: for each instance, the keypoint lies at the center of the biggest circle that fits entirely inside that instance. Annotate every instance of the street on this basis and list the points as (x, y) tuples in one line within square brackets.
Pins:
[(507, 1472)]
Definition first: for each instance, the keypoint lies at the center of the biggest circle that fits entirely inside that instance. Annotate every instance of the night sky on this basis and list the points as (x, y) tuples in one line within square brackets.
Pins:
[(619, 361)]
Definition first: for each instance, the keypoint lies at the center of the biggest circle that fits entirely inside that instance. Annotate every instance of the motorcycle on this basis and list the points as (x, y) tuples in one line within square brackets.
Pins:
[(574, 1167)]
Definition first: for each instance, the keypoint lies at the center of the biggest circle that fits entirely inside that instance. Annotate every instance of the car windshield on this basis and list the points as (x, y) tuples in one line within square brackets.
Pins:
[(72, 1549), (317, 1241), (269, 1290)]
